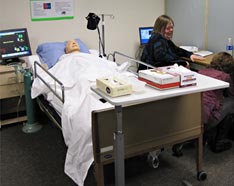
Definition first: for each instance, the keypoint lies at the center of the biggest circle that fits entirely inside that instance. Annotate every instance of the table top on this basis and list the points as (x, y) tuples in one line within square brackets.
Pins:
[(204, 83), (207, 60)]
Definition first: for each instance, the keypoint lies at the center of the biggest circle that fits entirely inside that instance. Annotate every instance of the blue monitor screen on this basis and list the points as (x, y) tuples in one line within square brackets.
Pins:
[(145, 33), (14, 43)]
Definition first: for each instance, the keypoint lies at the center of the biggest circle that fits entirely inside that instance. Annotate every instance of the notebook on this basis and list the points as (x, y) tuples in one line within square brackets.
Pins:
[(145, 33)]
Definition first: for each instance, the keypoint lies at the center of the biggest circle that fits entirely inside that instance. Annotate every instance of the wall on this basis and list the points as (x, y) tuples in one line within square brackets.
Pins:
[(221, 23), (189, 19), (121, 33), (203, 23)]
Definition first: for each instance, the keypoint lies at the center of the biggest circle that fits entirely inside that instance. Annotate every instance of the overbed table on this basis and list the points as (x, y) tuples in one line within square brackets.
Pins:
[(204, 83)]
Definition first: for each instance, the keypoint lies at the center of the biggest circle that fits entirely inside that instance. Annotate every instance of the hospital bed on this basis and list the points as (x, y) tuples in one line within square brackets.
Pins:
[(146, 127)]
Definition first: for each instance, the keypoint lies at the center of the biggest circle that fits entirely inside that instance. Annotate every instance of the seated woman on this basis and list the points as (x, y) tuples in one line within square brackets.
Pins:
[(219, 104), (160, 49)]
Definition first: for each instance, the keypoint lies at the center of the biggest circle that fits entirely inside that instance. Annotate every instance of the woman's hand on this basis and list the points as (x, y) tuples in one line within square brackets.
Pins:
[(194, 57)]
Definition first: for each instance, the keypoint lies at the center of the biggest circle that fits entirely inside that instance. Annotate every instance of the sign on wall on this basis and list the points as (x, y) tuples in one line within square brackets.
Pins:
[(42, 10)]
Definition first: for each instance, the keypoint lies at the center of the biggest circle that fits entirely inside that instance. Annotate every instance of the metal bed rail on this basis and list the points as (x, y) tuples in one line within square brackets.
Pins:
[(116, 53), (57, 83)]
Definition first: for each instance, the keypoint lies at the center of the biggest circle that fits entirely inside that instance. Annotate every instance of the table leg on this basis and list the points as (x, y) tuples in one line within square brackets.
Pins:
[(119, 149)]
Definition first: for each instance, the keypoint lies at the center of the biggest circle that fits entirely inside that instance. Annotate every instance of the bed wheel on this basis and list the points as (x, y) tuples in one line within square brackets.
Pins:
[(201, 175), (152, 158), (177, 149)]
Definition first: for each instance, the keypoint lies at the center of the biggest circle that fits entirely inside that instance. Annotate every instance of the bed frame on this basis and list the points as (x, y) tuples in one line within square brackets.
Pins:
[(142, 134)]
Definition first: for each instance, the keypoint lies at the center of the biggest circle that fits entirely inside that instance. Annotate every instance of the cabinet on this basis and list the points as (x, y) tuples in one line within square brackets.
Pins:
[(12, 103)]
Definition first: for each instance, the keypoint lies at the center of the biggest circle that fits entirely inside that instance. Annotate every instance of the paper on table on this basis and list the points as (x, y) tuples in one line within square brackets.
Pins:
[(190, 48), (203, 53)]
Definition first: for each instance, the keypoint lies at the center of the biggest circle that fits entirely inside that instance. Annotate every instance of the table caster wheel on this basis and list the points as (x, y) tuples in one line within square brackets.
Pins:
[(152, 158), (153, 162), (201, 175)]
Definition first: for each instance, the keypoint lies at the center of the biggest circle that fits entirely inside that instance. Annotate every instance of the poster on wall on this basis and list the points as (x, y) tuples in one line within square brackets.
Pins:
[(43, 10)]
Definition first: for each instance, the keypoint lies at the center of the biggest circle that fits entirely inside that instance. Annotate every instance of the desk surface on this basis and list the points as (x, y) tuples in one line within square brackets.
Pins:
[(207, 60), (204, 83)]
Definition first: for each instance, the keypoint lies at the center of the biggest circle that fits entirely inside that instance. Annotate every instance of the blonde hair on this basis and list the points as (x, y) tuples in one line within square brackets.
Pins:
[(161, 23)]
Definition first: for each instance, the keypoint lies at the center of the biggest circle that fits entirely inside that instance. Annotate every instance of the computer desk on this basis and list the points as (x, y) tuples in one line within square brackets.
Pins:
[(168, 117)]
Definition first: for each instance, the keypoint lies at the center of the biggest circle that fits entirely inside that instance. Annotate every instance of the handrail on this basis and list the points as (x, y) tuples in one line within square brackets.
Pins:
[(135, 60), (36, 65)]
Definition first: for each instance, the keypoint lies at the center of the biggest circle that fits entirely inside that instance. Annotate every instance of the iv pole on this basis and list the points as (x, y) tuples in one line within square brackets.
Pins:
[(102, 40), (93, 21), (103, 35)]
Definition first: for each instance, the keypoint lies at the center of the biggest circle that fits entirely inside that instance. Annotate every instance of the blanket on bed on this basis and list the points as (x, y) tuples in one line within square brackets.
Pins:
[(77, 72)]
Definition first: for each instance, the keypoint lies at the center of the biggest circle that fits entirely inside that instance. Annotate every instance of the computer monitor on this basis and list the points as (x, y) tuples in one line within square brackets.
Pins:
[(145, 33), (14, 43)]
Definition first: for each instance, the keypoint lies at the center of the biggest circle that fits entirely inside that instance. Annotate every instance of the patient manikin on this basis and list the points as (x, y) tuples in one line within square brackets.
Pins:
[(72, 46)]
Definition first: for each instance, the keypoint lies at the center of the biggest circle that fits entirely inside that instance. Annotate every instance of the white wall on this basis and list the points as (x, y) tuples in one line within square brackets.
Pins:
[(121, 33), (221, 24), (203, 23), (189, 19)]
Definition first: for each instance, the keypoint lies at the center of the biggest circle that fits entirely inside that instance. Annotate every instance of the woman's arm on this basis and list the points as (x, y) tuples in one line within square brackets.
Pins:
[(194, 57), (184, 53)]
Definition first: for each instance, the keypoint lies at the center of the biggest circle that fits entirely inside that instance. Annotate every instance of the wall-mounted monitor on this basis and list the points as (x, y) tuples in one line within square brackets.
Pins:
[(14, 43), (145, 33)]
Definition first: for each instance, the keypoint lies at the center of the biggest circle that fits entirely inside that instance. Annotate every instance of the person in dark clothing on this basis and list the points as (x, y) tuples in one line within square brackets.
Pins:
[(218, 105), (160, 50)]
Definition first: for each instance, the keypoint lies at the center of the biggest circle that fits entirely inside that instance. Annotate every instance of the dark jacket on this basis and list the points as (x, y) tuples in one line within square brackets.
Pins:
[(162, 52), (212, 100)]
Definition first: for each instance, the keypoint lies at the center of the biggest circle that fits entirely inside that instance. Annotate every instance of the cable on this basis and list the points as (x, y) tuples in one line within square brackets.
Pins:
[(18, 70), (100, 44), (138, 54), (110, 54)]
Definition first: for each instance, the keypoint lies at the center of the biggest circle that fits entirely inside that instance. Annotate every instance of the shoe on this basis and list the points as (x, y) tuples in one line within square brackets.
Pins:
[(220, 146), (177, 149)]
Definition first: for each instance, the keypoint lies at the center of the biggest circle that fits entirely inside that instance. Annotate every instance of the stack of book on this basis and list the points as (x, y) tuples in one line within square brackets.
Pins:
[(159, 79), (168, 77)]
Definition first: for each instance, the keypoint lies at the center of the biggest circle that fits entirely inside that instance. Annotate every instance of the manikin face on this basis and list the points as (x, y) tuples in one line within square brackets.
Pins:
[(72, 46), (168, 32)]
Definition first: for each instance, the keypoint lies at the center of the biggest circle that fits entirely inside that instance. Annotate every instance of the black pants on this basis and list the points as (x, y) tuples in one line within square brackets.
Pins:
[(227, 109), (223, 130), (231, 131)]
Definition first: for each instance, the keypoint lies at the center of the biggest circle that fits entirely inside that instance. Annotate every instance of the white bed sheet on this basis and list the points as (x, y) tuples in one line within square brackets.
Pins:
[(53, 100), (77, 72)]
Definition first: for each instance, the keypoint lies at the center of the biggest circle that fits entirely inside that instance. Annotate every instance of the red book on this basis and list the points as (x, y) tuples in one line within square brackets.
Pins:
[(160, 86)]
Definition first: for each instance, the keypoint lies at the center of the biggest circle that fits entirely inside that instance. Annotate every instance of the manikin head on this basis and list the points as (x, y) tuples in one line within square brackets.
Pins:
[(72, 46)]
